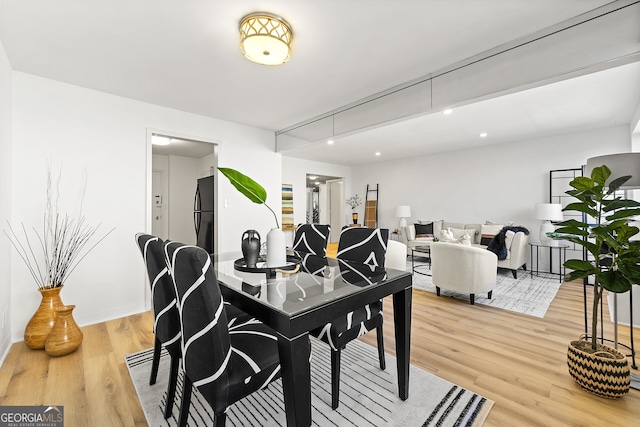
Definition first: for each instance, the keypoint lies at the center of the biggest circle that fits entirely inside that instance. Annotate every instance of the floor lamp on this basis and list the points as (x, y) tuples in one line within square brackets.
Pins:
[(621, 164)]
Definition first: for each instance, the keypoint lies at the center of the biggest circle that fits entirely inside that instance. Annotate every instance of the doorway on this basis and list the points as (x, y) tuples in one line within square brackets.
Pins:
[(325, 195)]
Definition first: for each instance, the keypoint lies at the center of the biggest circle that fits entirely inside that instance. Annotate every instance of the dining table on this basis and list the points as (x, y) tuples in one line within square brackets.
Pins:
[(318, 292)]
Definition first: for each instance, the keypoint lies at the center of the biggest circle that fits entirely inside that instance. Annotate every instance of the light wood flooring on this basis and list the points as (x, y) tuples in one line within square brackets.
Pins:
[(515, 360)]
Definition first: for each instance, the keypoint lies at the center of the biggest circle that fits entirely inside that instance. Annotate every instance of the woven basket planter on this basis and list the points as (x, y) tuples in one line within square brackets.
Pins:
[(603, 376)]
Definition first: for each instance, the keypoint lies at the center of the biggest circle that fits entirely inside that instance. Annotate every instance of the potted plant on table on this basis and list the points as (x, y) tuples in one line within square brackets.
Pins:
[(354, 202), (614, 265)]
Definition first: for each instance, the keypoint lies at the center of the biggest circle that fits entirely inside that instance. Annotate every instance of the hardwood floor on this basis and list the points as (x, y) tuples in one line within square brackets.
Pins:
[(517, 361)]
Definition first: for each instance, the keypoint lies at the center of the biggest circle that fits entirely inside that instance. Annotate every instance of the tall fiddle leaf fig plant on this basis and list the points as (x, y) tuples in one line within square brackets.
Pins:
[(614, 263)]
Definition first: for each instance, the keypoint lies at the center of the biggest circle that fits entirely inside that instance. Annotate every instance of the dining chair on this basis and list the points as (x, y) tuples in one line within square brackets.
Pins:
[(166, 320), (311, 238), (225, 361), (366, 246), (396, 257)]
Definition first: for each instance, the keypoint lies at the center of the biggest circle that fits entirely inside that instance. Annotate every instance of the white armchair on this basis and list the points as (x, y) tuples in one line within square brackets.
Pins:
[(462, 268), (518, 254)]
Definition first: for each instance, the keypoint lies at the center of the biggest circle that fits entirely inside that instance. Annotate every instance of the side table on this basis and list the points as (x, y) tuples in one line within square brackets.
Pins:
[(562, 255), (424, 250)]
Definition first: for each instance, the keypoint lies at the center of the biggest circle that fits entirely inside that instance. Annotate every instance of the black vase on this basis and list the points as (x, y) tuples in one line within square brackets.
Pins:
[(250, 247)]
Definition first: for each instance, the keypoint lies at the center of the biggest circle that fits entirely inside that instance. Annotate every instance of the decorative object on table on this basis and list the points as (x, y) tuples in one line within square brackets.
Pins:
[(66, 336), (354, 202), (276, 244), (51, 256), (614, 266), (403, 212), (250, 247), (287, 207), (548, 212)]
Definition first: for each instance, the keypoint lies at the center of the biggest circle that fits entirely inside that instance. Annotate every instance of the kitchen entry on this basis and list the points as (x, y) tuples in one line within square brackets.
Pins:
[(178, 165)]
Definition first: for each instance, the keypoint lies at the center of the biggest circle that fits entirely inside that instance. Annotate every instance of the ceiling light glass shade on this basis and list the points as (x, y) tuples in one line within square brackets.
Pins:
[(622, 164), (265, 38), (160, 140)]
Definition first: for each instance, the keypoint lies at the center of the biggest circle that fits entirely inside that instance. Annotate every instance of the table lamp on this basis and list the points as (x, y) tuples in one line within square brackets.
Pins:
[(548, 212), (403, 212)]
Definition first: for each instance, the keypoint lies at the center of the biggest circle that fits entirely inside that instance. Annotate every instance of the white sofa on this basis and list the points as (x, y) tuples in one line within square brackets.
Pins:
[(517, 249), (467, 269)]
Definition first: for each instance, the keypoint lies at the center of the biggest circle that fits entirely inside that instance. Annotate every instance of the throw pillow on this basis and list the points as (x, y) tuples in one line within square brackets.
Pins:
[(465, 240), (459, 232), (447, 236), (488, 232), (424, 230)]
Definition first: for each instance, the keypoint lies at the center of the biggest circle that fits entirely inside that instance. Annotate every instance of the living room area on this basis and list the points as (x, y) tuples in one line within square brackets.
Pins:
[(467, 147)]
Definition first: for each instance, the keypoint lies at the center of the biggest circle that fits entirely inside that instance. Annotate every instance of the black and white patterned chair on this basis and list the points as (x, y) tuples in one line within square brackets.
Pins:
[(166, 320), (226, 361), (312, 239), (365, 246)]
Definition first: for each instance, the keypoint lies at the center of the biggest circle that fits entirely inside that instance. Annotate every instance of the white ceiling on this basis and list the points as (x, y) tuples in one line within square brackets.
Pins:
[(184, 55)]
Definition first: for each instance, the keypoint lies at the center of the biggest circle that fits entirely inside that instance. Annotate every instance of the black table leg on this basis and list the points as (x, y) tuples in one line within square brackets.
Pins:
[(296, 379), (402, 326)]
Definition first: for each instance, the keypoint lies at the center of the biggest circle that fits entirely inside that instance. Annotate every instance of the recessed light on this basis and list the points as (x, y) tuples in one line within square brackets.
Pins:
[(447, 111), (313, 178), (160, 140), (330, 142), (377, 153), (483, 135)]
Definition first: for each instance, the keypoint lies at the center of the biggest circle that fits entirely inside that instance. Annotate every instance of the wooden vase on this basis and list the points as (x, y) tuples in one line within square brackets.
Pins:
[(354, 217), (66, 336), (42, 321)]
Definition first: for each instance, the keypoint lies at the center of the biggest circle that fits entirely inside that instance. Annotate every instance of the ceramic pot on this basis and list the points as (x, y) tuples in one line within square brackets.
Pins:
[(276, 248), (354, 217), (42, 321), (66, 336), (250, 247)]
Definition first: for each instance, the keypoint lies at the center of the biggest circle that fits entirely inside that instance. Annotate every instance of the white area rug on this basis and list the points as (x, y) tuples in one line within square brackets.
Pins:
[(528, 294), (368, 396)]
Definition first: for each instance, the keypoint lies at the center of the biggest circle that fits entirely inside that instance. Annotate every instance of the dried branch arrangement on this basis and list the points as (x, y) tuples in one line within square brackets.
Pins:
[(51, 256)]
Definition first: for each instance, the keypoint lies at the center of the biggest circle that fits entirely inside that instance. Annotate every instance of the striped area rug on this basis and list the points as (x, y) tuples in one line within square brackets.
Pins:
[(368, 396)]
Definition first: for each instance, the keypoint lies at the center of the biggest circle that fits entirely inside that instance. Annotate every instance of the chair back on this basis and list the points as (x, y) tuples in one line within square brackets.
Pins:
[(206, 347), (312, 239), (166, 322), (364, 245), (396, 257)]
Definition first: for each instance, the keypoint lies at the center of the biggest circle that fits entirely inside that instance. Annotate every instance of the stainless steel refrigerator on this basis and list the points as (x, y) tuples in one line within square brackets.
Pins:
[(204, 214)]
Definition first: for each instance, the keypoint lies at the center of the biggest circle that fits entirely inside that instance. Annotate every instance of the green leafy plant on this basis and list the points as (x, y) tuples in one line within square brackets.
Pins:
[(247, 186), (615, 259)]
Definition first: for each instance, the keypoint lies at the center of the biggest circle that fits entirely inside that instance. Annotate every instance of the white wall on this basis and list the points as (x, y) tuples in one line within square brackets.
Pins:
[(5, 201), (497, 183), (106, 135), (183, 178)]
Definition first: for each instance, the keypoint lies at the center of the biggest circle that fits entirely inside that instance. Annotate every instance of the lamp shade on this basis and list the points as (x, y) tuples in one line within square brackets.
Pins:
[(403, 211), (548, 211), (621, 164)]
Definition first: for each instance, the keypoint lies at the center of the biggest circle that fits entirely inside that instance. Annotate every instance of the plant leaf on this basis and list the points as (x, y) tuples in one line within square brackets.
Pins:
[(614, 281), (580, 265), (619, 204), (247, 186), (582, 183), (581, 207), (617, 183), (600, 174)]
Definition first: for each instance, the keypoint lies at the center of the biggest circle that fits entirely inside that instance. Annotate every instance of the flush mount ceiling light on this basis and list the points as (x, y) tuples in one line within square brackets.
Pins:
[(265, 38)]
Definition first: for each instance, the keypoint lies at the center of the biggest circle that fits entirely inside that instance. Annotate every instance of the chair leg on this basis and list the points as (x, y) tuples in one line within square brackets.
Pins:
[(515, 274), (171, 388), (524, 267), (221, 419), (490, 293), (155, 362), (186, 402), (380, 336), (472, 297), (335, 378), (437, 291)]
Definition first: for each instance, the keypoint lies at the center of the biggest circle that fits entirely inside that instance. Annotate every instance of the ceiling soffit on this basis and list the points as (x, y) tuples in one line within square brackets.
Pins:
[(603, 38)]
